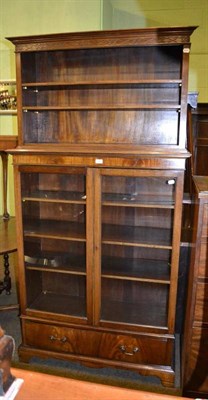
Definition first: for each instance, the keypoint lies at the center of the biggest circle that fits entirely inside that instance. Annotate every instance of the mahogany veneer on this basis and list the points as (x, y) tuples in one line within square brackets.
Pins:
[(99, 172)]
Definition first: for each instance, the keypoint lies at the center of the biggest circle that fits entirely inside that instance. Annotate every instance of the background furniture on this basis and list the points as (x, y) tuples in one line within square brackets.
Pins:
[(8, 245), (196, 328), (99, 174), (6, 142), (199, 129), (8, 98), (195, 337), (8, 242)]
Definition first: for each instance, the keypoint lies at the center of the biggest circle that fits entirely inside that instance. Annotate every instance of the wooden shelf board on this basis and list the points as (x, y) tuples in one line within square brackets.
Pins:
[(54, 270), (56, 197), (156, 106), (98, 82), (8, 112), (136, 268), (144, 201), (58, 303), (136, 236), (55, 230), (129, 278), (71, 263), (136, 314)]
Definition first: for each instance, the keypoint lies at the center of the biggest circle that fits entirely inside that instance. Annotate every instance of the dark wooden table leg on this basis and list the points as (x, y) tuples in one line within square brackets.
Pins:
[(4, 157), (6, 283), (7, 278)]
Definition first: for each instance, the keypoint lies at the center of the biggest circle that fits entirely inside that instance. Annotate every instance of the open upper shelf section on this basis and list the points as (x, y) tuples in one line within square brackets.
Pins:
[(110, 66), (104, 88)]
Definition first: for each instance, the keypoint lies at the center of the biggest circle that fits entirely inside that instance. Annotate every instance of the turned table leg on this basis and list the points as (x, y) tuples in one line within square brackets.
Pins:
[(4, 157), (7, 278), (6, 283)]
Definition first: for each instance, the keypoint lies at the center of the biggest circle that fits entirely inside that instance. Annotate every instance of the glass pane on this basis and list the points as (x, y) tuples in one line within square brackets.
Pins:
[(134, 302), (138, 190), (48, 253), (137, 223), (54, 228), (56, 293), (50, 186), (136, 262)]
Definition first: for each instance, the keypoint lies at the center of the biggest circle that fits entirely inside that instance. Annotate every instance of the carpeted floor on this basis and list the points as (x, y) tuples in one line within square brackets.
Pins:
[(9, 320)]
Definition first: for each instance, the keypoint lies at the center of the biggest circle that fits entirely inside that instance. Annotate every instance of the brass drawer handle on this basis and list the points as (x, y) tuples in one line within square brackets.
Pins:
[(56, 338), (128, 353)]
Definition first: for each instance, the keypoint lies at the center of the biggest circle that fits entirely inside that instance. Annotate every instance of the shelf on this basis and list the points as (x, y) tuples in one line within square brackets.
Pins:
[(144, 201), (58, 303), (134, 313), (109, 127), (56, 196), (55, 263), (137, 236), (158, 106), (112, 234), (146, 270), (53, 270), (121, 200), (55, 230), (123, 82), (8, 112)]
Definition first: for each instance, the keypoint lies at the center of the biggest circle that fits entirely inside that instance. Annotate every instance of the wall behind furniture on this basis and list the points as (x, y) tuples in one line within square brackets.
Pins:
[(120, 14), (34, 17)]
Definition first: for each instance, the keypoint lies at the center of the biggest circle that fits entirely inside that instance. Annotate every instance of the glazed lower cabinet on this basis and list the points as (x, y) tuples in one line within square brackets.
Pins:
[(98, 255)]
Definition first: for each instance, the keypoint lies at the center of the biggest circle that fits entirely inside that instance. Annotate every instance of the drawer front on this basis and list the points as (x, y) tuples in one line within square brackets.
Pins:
[(201, 307), (205, 222), (141, 349), (65, 340), (203, 260), (197, 371)]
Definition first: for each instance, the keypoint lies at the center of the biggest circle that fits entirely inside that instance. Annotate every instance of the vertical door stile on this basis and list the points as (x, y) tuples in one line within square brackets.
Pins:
[(89, 243), (97, 245), (19, 97), (183, 100), (175, 251), (20, 241)]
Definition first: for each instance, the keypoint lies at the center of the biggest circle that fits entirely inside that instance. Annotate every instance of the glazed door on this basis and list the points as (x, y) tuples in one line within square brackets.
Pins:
[(54, 224), (137, 240)]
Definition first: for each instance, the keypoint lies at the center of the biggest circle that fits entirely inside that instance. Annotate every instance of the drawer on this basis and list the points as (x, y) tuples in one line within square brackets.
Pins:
[(197, 368), (201, 306), (135, 349), (203, 260), (140, 349), (202, 127), (61, 339), (205, 222)]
